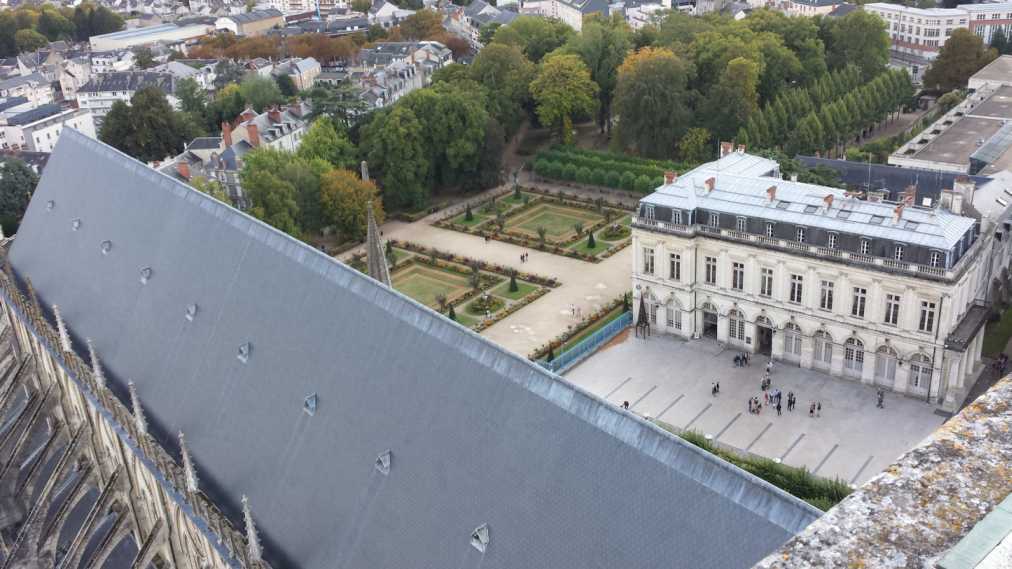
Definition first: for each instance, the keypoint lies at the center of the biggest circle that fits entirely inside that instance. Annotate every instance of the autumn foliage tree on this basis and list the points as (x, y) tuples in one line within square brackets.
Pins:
[(563, 90), (345, 199)]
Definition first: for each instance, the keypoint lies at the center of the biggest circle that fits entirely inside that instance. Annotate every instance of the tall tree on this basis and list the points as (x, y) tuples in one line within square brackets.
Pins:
[(603, 45), (695, 147), (29, 40), (961, 56), (341, 102), (422, 24), (562, 90), (143, 57), (859, 39), (8, 29), (652, 101), (17, 184), (323, 141), (284, 189), (394, 143), (345, 200), (505, 74), (227, 71), (54, 25), (734, 98), (534, 36), (92, 20), (149, 129), (1000, 42), (260, 92)]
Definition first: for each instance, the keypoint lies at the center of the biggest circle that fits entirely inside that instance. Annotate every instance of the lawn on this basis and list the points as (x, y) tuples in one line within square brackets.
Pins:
[(997, 334), (476, 218), (424, 284), (557, 220), (599, 245), (615, 313), (523, 289)]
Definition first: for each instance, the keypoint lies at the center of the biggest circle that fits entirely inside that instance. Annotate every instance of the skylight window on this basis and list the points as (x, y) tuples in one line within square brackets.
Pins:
[(811, 208), (480, 538), (383, 462), (912, 225), (783, 205), (876, 220), (844, 214), (309, 405)]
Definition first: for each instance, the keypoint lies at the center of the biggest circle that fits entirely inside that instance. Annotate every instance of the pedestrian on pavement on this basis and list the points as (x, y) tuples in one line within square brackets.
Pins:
[(713, 390), (778, 410), (769, 367), (811, 410), (818, 410), (718, 387), (737, 361), (751, 404), (881, 398), (625, 405)]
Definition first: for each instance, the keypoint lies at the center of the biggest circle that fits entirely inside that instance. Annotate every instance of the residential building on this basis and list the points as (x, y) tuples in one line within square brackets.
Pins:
[(891, 182), (569, 11), (200, 71), (467, 21), (974, 137), (389, 70), (985, 18), (38, 129), (810, 7), (74, 73), (387, 14), (893, 294), (303, 72), (219, 158), (260, 66), (112, 60), (34, 87), (145, 36), (255, 23), (917, 34), (204, 400), (642, 13), (104, 89)]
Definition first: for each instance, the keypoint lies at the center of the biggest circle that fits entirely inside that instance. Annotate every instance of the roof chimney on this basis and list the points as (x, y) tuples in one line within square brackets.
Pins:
[(726, 148), (710, 184), (183, 168), (897, 213), (670, 177), (226, 133), (771, 193), (909, 195), (741, 149), (247, 114), (828, 200), (274, 115), (253, 133)]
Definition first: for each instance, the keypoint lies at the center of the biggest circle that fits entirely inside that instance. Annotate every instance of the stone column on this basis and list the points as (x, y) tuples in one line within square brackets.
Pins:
[(868, 369)]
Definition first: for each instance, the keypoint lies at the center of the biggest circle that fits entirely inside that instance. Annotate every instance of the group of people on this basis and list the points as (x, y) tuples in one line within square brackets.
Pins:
[(575, 311), (715, 388), (773, 397), (524, 256), (1000, 364), (741, 360)]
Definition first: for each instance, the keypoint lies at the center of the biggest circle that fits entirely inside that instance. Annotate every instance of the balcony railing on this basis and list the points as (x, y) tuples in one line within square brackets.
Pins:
[(892, 265)]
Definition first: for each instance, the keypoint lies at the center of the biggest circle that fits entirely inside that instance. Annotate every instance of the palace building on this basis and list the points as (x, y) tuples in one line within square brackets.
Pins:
[(891, 293)]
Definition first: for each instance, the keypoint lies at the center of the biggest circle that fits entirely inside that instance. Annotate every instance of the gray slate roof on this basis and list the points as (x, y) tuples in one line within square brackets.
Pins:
[(36, 114), (129, 81), (255, 16), (478, 435)]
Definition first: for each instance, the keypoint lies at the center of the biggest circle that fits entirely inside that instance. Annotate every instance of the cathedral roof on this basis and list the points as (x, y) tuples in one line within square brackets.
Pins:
[(292, 375)]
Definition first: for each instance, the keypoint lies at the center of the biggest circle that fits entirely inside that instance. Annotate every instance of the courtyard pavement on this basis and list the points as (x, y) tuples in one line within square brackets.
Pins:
[(669, 379)]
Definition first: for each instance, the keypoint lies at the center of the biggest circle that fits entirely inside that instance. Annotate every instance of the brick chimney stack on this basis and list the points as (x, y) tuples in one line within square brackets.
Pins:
[(897, 213), (226, 133), (274, 114), (670, 177), (725, 149), (710, 184), (253, 133), (183, 168), (771, 193), (741, 149), (828, 200)]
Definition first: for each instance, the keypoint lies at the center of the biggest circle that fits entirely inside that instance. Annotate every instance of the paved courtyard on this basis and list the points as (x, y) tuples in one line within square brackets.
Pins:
[(669, 379)]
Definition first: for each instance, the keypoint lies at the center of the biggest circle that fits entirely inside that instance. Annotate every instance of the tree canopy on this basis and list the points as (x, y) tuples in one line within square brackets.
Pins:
[(534, 36), (148, 129), (345, 200), (563, 90), (602, 45), (962, 55), (323, 141), (652, 101), (17, 184)]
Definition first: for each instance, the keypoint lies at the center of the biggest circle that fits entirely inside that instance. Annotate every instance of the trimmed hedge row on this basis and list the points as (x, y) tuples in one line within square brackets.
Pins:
[(605, 176), (623, 158)]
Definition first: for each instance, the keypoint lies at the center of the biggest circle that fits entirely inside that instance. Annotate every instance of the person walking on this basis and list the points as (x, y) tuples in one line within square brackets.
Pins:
[(881, 399), (811, 410), (818, 409), (751, 404), (718, 388), (778, 409)]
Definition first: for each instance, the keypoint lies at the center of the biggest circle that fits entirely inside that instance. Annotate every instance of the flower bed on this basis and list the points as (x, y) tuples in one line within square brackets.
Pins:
[(593, 319)]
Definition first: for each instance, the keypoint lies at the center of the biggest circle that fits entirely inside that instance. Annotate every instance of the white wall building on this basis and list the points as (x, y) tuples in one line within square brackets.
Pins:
[(112, 60), (34, 87), (38, 130), (569, 11), (918, 31), (99, 94), (149, 35), (890, 294)]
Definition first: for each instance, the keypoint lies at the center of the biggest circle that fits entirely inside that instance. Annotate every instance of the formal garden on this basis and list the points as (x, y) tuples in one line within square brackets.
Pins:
[(472, 292), (559, 223), (569, 164)]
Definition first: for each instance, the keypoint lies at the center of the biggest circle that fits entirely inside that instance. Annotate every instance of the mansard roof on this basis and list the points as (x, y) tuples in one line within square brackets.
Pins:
[(238, 327), (740, 188)]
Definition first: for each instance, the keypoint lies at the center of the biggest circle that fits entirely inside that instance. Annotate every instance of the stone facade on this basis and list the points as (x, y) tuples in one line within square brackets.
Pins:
[(72, 448)]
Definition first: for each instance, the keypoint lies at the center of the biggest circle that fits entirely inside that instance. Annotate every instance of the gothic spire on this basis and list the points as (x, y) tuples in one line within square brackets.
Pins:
[(189, 472), (96, 366), (374, 253), (61, 330), (642, 319), (135, 404), (33, 298), (252, 539)]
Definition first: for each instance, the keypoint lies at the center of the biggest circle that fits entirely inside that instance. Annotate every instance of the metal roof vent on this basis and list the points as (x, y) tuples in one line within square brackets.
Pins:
[(106, 246), (383, 463), (76, 223), (50, 205), (191, 311), (146, 273), (244, 352), (480, 538), (309, 405)]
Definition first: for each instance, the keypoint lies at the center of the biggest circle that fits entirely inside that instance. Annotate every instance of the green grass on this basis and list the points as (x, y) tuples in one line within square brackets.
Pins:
[(997, 334), (523, 289), (464, 319), (476, 218), (424, 284), (823, 493), (600, 245), (558, 221), (615, 313)]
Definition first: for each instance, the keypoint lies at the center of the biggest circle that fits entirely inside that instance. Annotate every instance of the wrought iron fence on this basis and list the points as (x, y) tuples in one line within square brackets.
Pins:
[(588, 345)]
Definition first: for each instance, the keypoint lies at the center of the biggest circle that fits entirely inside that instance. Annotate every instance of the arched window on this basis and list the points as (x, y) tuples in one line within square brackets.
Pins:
[(853, 355), (823, 352), (885, 366), (920, 371), (737, 325), (792, 340)]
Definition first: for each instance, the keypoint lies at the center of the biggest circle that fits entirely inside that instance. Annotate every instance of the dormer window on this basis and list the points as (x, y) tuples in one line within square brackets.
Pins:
[(799, 234), (742, 224), (714, 220), (648, 212), (832, 241)]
